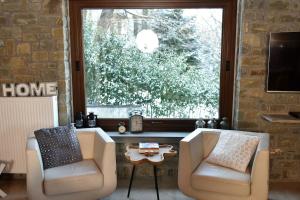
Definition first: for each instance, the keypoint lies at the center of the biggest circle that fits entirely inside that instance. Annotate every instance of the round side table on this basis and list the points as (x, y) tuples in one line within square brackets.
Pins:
[(132, 155)]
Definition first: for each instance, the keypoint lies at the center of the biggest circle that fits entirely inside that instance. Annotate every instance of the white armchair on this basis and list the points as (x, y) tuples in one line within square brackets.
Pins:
[(204, 181), (92, 178)]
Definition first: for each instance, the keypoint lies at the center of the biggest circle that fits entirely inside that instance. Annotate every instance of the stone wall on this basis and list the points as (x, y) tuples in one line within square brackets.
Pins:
[(34, 45), (258, 18)]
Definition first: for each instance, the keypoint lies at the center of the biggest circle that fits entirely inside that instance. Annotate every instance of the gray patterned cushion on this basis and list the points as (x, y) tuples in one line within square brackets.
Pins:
[(59, 146)]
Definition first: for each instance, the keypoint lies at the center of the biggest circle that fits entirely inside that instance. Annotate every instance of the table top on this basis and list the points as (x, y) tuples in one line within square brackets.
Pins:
[(132, 154)]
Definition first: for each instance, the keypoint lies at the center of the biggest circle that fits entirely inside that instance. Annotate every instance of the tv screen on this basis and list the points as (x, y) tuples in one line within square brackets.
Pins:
[(284, 62)]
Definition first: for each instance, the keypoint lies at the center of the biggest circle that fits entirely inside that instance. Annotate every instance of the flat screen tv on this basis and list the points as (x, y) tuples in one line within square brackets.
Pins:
[(284, 62)]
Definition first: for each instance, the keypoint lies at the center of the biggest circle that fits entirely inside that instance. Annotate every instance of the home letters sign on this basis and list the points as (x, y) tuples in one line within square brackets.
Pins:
[(29, 89)]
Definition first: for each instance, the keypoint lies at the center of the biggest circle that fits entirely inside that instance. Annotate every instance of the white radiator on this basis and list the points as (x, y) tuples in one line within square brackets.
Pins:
[(19, 117)]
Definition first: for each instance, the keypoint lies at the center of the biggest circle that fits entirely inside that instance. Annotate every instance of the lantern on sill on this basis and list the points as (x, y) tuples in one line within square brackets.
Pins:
[(224, 123), (136, 121), (91, 120), (79, 120), (200, 123)]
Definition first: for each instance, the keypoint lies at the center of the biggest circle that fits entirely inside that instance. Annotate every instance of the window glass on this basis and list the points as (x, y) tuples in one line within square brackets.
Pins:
[(165, 62)]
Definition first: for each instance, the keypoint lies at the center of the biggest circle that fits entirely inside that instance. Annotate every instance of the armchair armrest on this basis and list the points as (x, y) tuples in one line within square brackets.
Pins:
[(35, 171), (191, 153), (260, 169), (86, 139), (105, 157)]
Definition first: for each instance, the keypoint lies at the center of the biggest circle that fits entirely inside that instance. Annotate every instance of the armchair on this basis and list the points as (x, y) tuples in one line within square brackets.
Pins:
[(92, 178), (205, 181)]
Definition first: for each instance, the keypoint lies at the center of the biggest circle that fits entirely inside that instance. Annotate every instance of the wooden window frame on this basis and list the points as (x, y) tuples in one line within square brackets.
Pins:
[(227, 57)]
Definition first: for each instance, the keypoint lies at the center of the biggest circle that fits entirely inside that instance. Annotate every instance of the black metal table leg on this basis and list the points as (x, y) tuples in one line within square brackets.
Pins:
[(131, 179), (155, 179)]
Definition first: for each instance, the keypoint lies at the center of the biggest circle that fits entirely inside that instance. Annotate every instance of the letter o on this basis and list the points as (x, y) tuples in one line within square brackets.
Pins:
[(22, 90)]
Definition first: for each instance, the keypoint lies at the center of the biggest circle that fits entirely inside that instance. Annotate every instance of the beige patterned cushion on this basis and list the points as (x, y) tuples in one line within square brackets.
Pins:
[(234, 151)]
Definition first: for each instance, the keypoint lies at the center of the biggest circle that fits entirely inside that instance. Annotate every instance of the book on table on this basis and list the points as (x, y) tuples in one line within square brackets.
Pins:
[(148, 147)]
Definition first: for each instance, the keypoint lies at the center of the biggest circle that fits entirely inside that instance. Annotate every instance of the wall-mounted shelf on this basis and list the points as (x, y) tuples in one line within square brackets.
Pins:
[(281, 118)]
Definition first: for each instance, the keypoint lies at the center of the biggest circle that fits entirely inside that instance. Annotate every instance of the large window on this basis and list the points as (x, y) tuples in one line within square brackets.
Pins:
[(171, 62), (165, 62)]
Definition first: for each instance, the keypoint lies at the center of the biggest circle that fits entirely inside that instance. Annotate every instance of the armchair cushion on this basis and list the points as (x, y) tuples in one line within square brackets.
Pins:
[(75, 177), (234, 150), (213, 178), (59, 146)]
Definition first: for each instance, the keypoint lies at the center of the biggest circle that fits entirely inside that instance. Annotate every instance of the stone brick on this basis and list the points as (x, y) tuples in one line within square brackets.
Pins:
[(10, 32), (251, 83), (29, 37), (46, 45), (277, 108), (61, 86), (292, 99), (52, 65), (11, 6), (23, 78), (24, 19), (61, 45), (248, 105), (2, 20), (8, 48), (264, 107), (40, 56), (297, 157), (63, 117), (258, 4), (259, 27), (252, 40), (35, 6), (4, 73), (275, 176), (260, 51), (290, 169), (247, 124), (252, 60), (251, 115), (43, 66), (274, 129), (288, 18), (258, 72), (296, 130), (16, 62), (23, 49), (279, 5), (56, 56), (36, 29), (252, 93), (35, 46), (50, 20), (51, 6), (45, 36), (57, 33)]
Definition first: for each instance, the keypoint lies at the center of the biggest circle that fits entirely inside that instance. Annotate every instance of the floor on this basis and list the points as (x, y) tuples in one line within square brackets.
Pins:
[(16, 190)]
